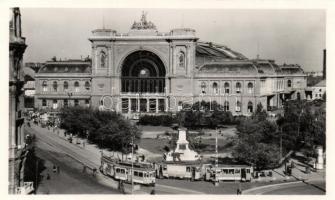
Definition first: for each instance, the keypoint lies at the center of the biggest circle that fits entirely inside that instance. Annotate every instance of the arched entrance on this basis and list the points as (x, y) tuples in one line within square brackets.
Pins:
[(143, 83)]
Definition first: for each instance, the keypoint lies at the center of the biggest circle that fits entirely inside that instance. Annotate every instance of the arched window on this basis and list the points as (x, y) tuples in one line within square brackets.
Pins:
[(103, 59), (250, 107), (226, 106), (238, 106), (238, 87), (203, 87), (76, 86), (250, 87), (87, 85), (45, 86), (289, 83), (55, 104), (66, 85), (55, 86), (215, 88), (226, 88), (181, 59)]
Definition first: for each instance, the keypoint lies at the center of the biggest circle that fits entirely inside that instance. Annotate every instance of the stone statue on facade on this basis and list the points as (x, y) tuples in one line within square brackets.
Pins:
[(143, 24)]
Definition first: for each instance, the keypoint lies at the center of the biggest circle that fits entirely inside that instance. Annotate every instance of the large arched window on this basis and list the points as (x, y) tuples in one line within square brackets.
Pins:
[(143, 72), (76, 86), (238, 87), (250, 88), (215, 88), (66, 86), (103, 59), (87, 85), (45, 86), (238, 106), (250, 107), (55, 86), (289, 83), (203, 87), (226, 106), (226, 88)]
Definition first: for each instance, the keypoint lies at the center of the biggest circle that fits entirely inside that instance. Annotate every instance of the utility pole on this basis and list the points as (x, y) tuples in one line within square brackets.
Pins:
[(216, 150), (132, 164), (36, 175)]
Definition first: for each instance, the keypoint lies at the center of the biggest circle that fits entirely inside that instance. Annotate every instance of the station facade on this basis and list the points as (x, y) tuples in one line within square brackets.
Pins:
[(146, 71)]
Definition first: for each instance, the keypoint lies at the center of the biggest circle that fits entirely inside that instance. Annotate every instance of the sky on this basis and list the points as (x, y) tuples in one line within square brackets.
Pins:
[(287, 36)]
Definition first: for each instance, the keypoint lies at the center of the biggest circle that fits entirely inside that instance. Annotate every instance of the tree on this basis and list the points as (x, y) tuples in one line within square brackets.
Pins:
[(105, 128), (257, 141)]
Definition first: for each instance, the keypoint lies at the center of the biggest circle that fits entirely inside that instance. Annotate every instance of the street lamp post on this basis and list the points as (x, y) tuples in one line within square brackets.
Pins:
[(132, 164)]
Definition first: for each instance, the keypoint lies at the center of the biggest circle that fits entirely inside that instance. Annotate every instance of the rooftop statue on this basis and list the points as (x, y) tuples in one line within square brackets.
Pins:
[(143, 24)]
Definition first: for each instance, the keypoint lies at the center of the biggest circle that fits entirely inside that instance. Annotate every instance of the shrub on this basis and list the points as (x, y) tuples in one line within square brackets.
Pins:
[(160, 120)]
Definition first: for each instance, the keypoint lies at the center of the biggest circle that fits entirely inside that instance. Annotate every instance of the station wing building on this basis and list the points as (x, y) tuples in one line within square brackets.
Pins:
[(146, 71)]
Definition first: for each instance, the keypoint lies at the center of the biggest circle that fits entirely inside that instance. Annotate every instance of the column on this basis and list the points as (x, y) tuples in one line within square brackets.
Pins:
[(157, 105), (138, 104), (166, 104), (148, 105), (129, 105)]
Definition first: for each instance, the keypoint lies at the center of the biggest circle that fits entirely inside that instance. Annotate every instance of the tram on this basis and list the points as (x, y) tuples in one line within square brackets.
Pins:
[(180, 170), (143, 173), (229, 173)]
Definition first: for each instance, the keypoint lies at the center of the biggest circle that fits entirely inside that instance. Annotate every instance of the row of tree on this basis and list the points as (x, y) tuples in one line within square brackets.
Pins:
[(105, 128), (199, 115)]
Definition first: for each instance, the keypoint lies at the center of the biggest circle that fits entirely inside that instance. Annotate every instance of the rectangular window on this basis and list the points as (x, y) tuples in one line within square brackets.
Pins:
[(76, 102), (66, 103), (140, 174), (231, 171), (44, 102), (135, 173), (125, 105)]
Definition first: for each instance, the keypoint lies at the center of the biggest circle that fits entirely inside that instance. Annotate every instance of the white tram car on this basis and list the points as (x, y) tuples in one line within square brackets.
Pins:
[(180, 170), (229, 173), (143, 173)]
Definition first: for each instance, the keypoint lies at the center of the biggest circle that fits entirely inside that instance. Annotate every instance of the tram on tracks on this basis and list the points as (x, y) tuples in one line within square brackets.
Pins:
[(229, 173), (143, 173)]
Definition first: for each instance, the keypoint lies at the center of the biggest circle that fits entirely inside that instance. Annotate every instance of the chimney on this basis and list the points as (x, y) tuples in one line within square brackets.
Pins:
[(324, 64)]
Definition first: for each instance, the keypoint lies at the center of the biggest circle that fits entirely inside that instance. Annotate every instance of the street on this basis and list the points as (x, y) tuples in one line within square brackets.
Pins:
[(69, 175), (90, 159)]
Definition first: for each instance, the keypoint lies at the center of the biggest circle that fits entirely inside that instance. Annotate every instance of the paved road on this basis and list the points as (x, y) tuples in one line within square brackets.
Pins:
[(93, 161), (293, 188), (310, 188), (70, 174)]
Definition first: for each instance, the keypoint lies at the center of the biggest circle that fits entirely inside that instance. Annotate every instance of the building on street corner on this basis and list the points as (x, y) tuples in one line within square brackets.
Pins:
[(17, 48)]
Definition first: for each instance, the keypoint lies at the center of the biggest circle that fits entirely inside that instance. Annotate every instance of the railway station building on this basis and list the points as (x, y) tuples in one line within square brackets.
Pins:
[(147, 71)]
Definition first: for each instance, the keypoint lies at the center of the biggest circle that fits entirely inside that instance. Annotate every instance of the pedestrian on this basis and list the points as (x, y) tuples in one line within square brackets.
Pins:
[(48, 176), (83, 144), (54, 169), (152, 192)]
